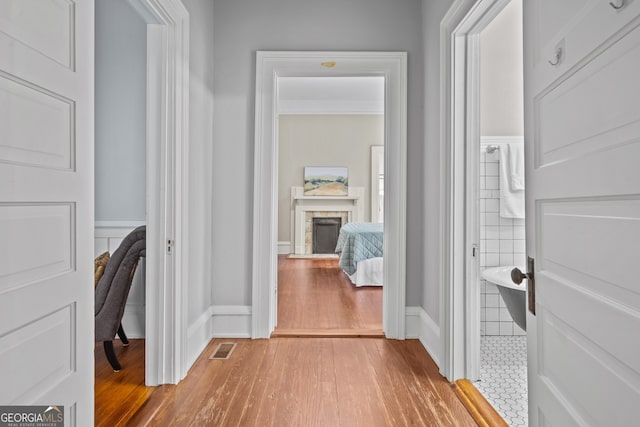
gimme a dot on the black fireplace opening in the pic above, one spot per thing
(325, 235)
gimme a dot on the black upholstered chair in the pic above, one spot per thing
(113, 289)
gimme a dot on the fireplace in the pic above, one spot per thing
(311, 217)
(325, 234)
(305, 208)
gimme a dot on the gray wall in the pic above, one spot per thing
(200, 156)
(243, 26)
(501, 74)
(120, 109)
(433, 12)
(324, 140)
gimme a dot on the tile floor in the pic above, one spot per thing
(503, 376)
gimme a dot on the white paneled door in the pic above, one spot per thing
(46, 205)
(582, 107)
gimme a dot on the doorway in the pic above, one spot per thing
(120, 181)
(269, 67)
(164, 152)
(487, 128)
(503, 347)
(327, 128)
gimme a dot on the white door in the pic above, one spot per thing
(582, 126)
(46, 205)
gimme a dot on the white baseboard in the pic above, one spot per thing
(198, 336)
(234, 321)
(421, 326)
(231, 321)
(218, 321)
(284, 248)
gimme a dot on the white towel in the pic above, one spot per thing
(511, 181)
(516, 166)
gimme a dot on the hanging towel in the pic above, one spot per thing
(511, 181)
(516, 166)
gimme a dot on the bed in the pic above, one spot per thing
(360, 249)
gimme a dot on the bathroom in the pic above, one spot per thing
(503, 345)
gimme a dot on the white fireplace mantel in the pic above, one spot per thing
(352, 204)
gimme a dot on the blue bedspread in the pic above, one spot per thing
(359, 241)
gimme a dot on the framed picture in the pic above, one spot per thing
(326, 181)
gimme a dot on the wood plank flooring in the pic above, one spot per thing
(319, 381)
(308, 382)
(315, 296)
(119, 395)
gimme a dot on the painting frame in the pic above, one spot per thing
(326, 181)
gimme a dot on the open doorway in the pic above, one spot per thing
(142, 97)
(503, 347)
(487, 137)
(120, 139)
(270, 66)
(121, 182)
(330, 144)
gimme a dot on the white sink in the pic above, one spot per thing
(502, 276)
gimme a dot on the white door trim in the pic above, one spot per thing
(270, 66)
(377, 156)
(460, 139)
(167, 188)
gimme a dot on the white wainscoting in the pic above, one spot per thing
(108, 236)
(421, 326)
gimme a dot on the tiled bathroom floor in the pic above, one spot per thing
(503, 376)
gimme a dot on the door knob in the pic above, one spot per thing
(518, 276)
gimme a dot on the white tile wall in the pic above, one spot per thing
(501, 243)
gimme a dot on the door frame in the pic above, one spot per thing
(269, 66)
(460, 150)
(167, 189)
(377, 155)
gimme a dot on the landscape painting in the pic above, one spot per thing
(326, 181)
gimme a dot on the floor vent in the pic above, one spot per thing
(223, 351)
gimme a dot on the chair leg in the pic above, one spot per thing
(123, 337)
(111, 355)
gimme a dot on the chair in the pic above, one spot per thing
(113, 289)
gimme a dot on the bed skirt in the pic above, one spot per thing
(368, 272)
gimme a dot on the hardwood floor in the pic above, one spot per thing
(308, 382)
(316, 298)
(318, 381)
(119, 395)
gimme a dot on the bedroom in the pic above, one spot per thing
(334, 123)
